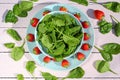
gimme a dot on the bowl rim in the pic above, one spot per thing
(60, 12)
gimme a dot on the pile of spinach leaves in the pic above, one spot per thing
(105, 27)
(107, 53)
(60, 34)
(112, 5)
(31, 66)
(19, 10)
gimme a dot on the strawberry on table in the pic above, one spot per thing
(47, 59)
(34, 22)
(36, 50)
(63, 9)
(99, 14)
(65, 63)
(46, 12)
(86, 36)
(80, 56)
(85, 24)
(30, 37)
(77, 15)
(85, 46)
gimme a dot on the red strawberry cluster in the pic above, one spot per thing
(30, 38)
(65, 63)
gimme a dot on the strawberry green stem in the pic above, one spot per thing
(114, 18)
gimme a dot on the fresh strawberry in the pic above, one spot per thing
(46, 12)
(63, 9)
(65, 63)
(99, 14)
(86, 36)
(30, 37)
(47, 59)
(80, 56)
(77, 15)
(36, 50)
(85, 46)
(85, 24)
(34, 22)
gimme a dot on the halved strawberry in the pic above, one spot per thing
(77, 15)
(30, 37)
(85, 24)
(36, 50)
(99, 14)
(65, 63)
(86, 36)
(80, 56)
(47, 59)
(63, 9)
(34, 22)
(85, 46)
(46, 12)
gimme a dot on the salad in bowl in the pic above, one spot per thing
(59, 35)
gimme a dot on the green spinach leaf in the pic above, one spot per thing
(26, 5)
(48, 76)
(46, 41)
(59, 50)
(18, 52)
(83, 2)
(76, 73)
(112, 48)
(113, 6)
(70, 40)
(117, 29)
(23, 14)
(30, 66)
(9, 45)
(18, 11)
(103, 66)
(105, 27)
(10, 17)
(106, 55)
(117, 26)
(20, 77)
(14, 34)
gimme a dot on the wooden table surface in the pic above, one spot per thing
(10, 68)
